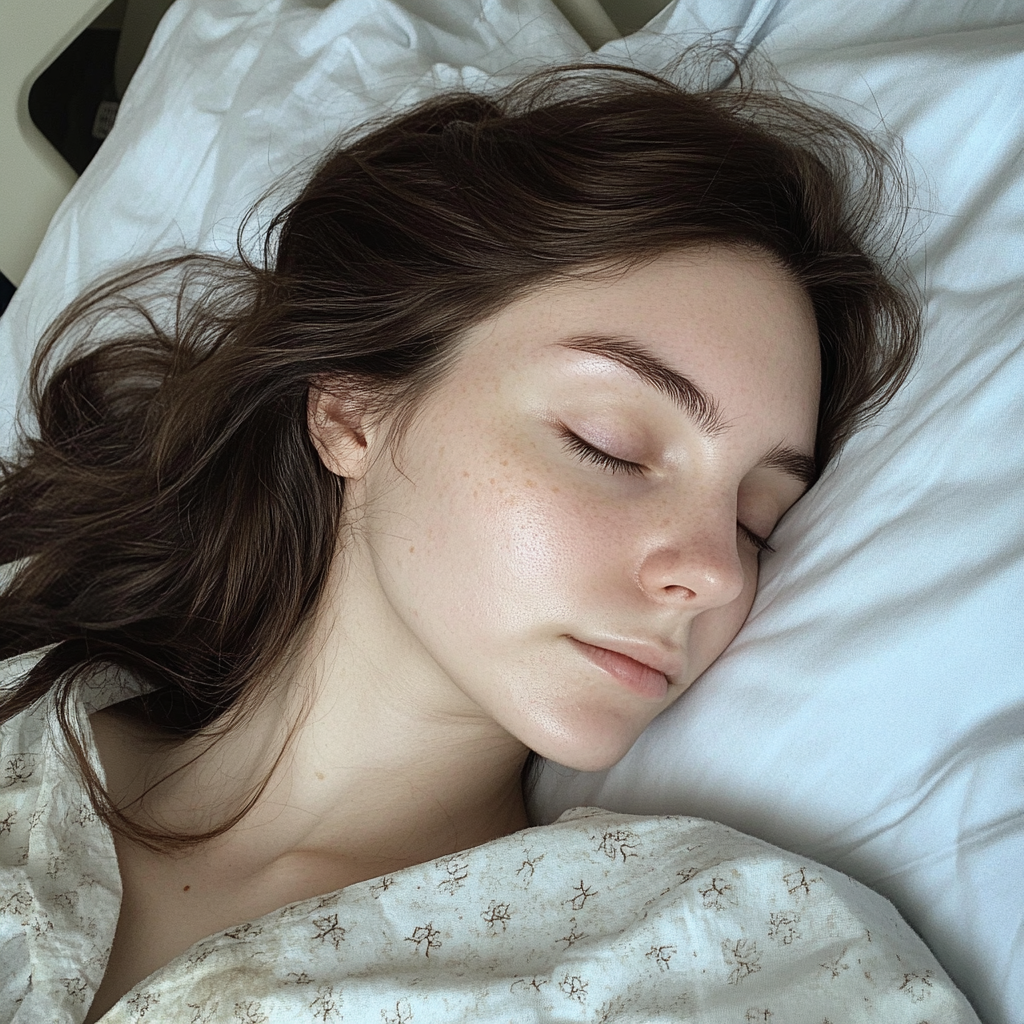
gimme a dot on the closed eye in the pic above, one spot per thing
(588, 453)
(758, 541)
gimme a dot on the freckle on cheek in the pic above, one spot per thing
(492, 479)
(411, 550)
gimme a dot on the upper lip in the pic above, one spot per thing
(667, 660)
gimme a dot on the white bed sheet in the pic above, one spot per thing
(871, 712)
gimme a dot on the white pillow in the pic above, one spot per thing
(871, 712)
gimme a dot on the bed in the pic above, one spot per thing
(870, 714)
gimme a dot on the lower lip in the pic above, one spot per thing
(643, 681)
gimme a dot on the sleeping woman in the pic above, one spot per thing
(311, 557)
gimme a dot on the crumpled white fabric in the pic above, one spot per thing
(597, 917)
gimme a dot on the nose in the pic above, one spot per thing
(693, 557)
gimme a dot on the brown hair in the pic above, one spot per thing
(171, 515)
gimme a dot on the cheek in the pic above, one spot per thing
(523, 544)
(484, 551)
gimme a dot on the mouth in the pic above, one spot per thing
(641, 679)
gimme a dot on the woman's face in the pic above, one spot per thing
(512, 558)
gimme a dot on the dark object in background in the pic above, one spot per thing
(73, 101)
(6, 291)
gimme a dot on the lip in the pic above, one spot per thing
(647, 680)
(649, 654)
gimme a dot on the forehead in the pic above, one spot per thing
(733, 321)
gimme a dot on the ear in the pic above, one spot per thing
(339, 429)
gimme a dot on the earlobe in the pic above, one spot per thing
(336, 428)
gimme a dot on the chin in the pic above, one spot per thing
(589, 764)
(589, 729)
(581, 756)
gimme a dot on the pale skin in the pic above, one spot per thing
(440, 654)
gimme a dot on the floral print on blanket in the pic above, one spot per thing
(598, 917)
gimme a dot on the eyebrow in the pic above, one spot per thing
(692, 399)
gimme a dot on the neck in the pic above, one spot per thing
(372, 775)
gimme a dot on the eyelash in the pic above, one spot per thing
(588, 453)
